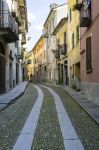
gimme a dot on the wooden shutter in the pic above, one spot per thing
(73, 40)
(88, 55)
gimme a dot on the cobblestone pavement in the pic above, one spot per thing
(13, 118)
(48, 134)
(87, 129)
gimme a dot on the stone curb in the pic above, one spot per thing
(13, 99)
(95, 120)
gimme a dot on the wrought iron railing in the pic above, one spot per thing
(85, 15)
(63, 49)
(7, 21)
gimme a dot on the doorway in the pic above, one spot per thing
(58, 73)
(66, 80)
(2, 69)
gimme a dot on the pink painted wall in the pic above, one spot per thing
(93, 30)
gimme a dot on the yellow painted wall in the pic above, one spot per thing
(39, 54)
(60, 36)
(73, 53)
(30, 66)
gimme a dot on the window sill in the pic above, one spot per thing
(89, 71)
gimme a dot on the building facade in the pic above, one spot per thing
(36, 62)
(73, 45)
(10, 44)
(60, 53)
(57, 12)
(89, 22)
(30, 66)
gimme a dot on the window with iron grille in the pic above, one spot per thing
(88, 55)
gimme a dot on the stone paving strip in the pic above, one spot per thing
(71, 140)
(25, 139)
(85, 126)
(48, 134)
(13, 118)
(6, 99)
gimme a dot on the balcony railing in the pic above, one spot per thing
(8, 26)
(85, 15)
(57, 54)
(85, 18)
(63, 49)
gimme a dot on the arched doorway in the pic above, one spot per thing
(2, 68)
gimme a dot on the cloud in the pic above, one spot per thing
(31, 17)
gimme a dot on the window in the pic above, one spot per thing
(58, 42)
(35, 61)
(77, 34)
(73, 40)
(88, 55)
(73, 71)
(64, 37)
(65, 41)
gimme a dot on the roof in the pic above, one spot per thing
(51, 12)
(36, 44)
(58, 27)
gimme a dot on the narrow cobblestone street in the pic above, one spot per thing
(49, 75)
(13, 118)
(50, 132)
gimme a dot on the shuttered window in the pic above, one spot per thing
(88, 55)
(73, 40)
(65, 48)
(77, 34)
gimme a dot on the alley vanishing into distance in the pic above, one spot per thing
(47, 118)
(49, 75)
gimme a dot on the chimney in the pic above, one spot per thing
(53, 5)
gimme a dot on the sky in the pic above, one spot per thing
(38, 11)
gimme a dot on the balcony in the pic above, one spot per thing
(63, 49)
(23, 15)
(57, 54)
(23, 41)
(8, 27)
(85, 16)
